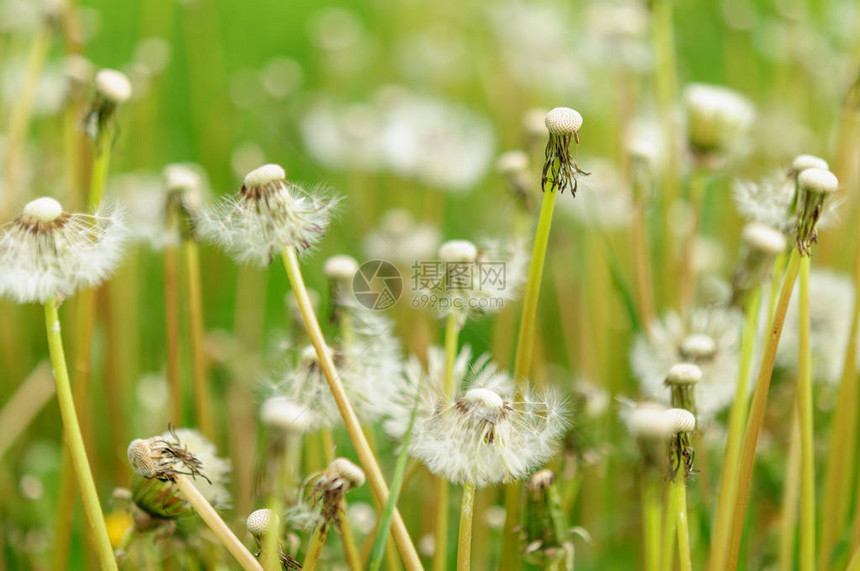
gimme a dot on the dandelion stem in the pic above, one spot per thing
(315, 548)
(350, 420)
(737, 421)
(23, 406)
(669, 530)
(804, 406)
(208, 514)
(101, 164)
(651, 520)
(464, 545)
(790, 498)
(347, 539)
(679, 490)
(198, 359)
(74, 440)
(756, 415)
(171, 307)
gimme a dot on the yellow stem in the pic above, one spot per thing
(350, 420)
(315, 548)
(74, 440)
(464, 544)
(651, 520)
(198, 358)
(171, 310)
(807, 443)
(347, 539)
(208, 514)
(790, 498)
(23, 406)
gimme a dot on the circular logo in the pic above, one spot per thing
(377, 284)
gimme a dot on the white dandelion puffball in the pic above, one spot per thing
(716, 116)
(113, 85)
(711, 343)
(267, 216)
(46, 252)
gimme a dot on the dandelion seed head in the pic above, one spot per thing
(46, 252)
(215, 469)
(512, 162)
(140, 457)
(716, 116)
(647, 420)
(541, 480)
(345, 470)
(680, 420)
(763, 238)
(686, 373)
(260, 522)
(180, 178)
(458, 251)
(280, 414)
(79, 71)
(563, 121)
(340, 268)
(268, 216)
(663, 346)
(818, 180)
(45, 209)
(113, 85)
(807, 161)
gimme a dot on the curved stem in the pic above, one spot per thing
(737, 420)
(756, 415)
(464, 544)
(315, 548)
(74, 440)
(804, 408)
(350, 420)
(208, 514)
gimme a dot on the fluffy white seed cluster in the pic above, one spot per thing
(716, 116)
(481, 435)
(647, 420)
(340, 268)
(267, 216)
(685, 373)
(346, 472)
(818, 180)
(711, 342)
(113, 86)
(458, 251)
(46, 252)
(512, 162)
(763, 238)
(806, 161)
(279, 414)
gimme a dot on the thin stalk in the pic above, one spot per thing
(350, 420)
(807, 443)
(171, 311)
(667, 552)
(347, 539)
(696, 196)
(198, 358)
(843, 435)
(651, 520)
(464, 544)
(523, 363)
(101, 164)
(20, 114)
(24, 405)
(208, 514)
(440, 553)
(679, 490)
(756, 415)
(315, 548)
(75, 441)
(790, 499)
(737, 421)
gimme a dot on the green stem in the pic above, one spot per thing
(804, 405)
(101, 164)
(347, 539)
(198, 358)
(523, 363)
(790, 498)
(679, 490)
(74, 440)
(171, 311)
(756, 415)
(464, 544)
(651, 519)
(737, 421)
(667, 552)
(350, 420)
(440, 554)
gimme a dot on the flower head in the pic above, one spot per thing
(559, 169)
(268, 215)
(716, 117)
(813, 186)
(47, 252)
(480, 435)
(761, 245)
(113, 88)
(710, 342)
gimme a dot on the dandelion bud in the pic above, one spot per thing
(559, 169)
(113, 86)
(805, 161)
(44, 209)
(680, 420)
(541, 480)
(512, 162)
(79, 73)
(716, 117)
(813, 186)
(697, 347)
(347, 471)
(260, 522)
(140, 457)
(279, 413)
(761, 245)
(180, 178)
(340, 268)
(514, 166)
(264, 176)
(458, 251)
